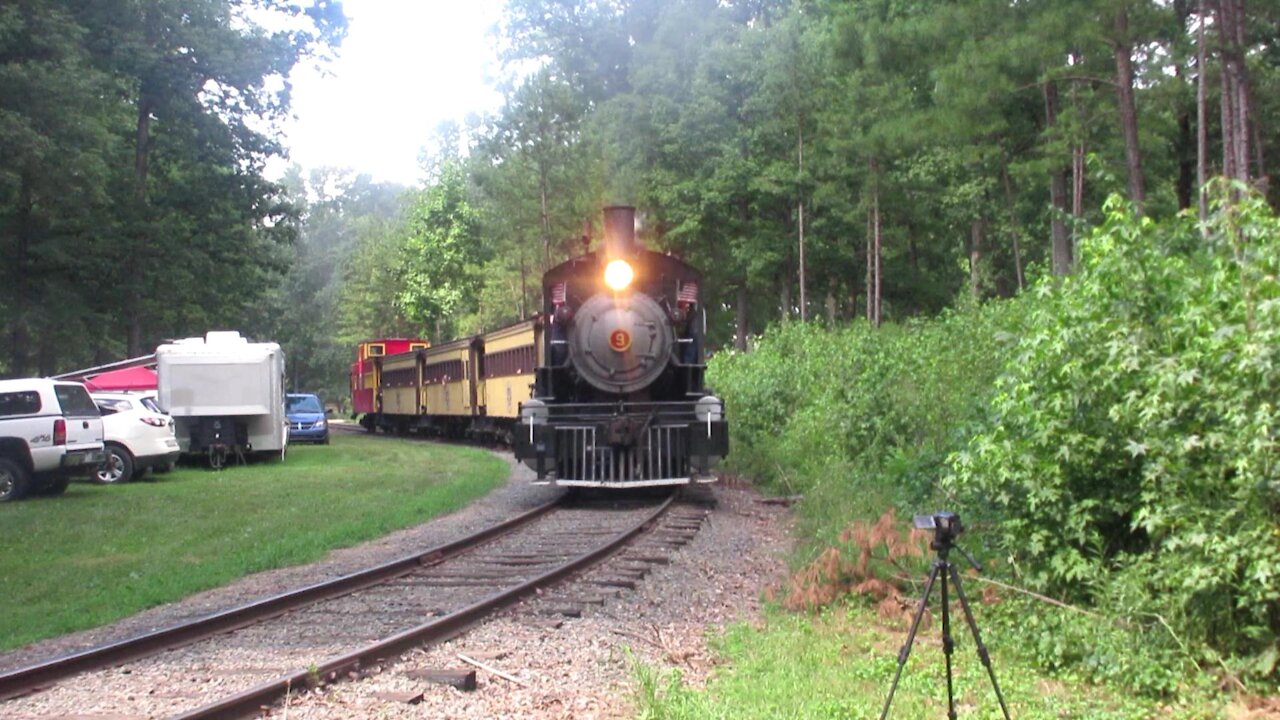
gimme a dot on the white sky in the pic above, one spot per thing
(405, 66)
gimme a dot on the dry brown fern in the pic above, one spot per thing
(865, 561)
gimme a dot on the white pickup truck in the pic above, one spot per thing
(50, 431)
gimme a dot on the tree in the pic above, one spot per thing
(56, 152)
(133, 131)
(438, 264)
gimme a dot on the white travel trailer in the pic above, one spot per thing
(225, 394)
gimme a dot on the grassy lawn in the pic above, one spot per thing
(840, 664)
(99, 553)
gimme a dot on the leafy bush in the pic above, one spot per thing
(1132, 439)
(856, 418)
(1113, 433)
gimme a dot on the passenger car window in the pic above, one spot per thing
(150, 404)
(26, 402)
(75, 401)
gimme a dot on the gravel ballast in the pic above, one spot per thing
(558, 666)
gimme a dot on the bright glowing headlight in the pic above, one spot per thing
(618, 275)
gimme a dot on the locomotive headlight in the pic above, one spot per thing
(533, 412)
(618, 275)
(709, 409)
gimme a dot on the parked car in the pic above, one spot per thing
(306, 416)
(137, 436)
(50, 432)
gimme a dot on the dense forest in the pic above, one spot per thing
(821, 159)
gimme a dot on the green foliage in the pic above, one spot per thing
(1075, 647)
(339, 287)
(859, 408)
(132, 142)
(1131, 440)
(438, 259)
(1112, 433)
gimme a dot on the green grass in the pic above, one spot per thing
(98, 553)
(840, 665)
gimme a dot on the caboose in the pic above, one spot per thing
(366, 374)
(619, 399)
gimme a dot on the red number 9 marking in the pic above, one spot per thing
(620, 340)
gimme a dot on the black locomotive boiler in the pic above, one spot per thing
(619, 399)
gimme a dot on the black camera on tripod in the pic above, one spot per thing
(946, 527)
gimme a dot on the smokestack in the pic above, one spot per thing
(619, 231)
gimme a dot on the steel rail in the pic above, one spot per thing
(449, 626)
(34, 677)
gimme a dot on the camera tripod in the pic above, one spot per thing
(943, 568)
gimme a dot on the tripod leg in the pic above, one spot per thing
(948, 645)
(983, 655)
(911, 637)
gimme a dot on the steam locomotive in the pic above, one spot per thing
(620, 398)
(617, 361)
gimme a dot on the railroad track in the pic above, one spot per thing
(235, 663)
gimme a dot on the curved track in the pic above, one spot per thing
(234, 663)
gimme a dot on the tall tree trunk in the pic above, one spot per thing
(1202, 118)
(1015, 228)
(141, 167)
(976, 230)
(546, 218)
(524, 286)
(20, 314)
(877, 244)
(1062, 249)
(740, 329)
(1123, 48)
(1186, 164)
(1185, 143)
(871, 265)
(785, 290)
(1077, 155)
(141, 150)
(1236, 136)
(804, 295)
(832, 307)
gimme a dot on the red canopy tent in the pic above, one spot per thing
(134, 378)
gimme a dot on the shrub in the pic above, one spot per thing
(859, 418)
(1132, 438)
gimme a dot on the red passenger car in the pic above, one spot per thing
(364, 371)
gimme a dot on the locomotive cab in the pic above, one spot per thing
(620, 400)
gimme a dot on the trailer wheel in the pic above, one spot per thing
(217, 457)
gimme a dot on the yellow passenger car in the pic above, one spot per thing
(510, 355)
(447, 387)
(398, 384)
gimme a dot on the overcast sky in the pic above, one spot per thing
(405, 66)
